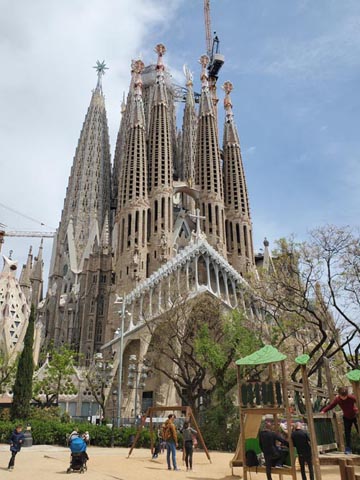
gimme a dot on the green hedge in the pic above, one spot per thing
(56, 433)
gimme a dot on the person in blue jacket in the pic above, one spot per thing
(16, 440)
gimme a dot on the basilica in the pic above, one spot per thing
(169, 216)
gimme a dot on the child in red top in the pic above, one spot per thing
(347, 403)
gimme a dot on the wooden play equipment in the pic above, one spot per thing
(257, 399)
(150, 414)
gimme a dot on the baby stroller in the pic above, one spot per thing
(79, 457)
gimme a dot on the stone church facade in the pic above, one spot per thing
(171, 213)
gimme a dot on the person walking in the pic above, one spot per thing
(188, 434)
(347, 403)
(16, 440)
(273, 455)
(170, 436)
(301, 441)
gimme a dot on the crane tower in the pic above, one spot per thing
(212, 45)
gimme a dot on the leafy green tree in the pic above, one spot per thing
(311, 298)
(8, 368)
(218, 346)
(55, 377)
(22, 392)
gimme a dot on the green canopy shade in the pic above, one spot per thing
(354, 376)
(267, 354)
(302, 359)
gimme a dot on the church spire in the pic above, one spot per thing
(88, 192)
(131, 218)
(208, 167)
(37, 277)
(238, 220)
(160, 160)
(189, 130)
(86, 206)
(24, 280)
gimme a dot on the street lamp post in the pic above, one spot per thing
(134, 372)
(114, 397)
(121, 354)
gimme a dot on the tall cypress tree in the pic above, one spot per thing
(22, 391)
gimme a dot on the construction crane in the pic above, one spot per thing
(13, 233)
(216, 59)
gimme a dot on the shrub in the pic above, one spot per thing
(54, 432)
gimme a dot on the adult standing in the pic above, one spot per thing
(272, 454)
(347, 403)
(16, 440)
(188, 434)
(170, 436)
(301, 441)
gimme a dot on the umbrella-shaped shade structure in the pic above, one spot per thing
(267, 354)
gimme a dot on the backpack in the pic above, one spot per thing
(251, 459)
(166, 432)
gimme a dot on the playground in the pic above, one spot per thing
(50, 463)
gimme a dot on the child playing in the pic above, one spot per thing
(16, 440)
(347, 403)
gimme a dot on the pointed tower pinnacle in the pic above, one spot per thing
(37, 277)
(238, 221)
(25, 275)
(189, 131)
(208, 168)
(132, 214)
(160, 158)
(86, 206)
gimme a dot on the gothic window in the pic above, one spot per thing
(101, 306)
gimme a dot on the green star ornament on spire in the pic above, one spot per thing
(100, 68)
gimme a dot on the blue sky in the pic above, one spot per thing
(295, 66)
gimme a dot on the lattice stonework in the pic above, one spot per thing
(14, 311)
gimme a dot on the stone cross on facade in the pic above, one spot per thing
(198, 218)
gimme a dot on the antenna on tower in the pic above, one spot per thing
(212, 45)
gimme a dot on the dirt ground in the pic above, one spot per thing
(42, 462)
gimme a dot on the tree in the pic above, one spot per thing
(55, 377)
(8, 368)
(312, 297)
(172, 349)
(22, 392)
(99, 376)
(218, 346)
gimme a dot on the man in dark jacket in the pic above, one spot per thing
(301, 442)
(272, 454)
(16, 440)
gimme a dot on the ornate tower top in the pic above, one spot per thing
(160, 49)
(228, 88)
(100, 68)
(188, 76)
(204, 61)
(137, 67)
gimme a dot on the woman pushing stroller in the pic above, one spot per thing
(79, 457)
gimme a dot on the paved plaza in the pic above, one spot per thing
(42, 462)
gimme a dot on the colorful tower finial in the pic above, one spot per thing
(160, 49)
(138, 67)
(100, 68)
(204, 61)
(228, 87)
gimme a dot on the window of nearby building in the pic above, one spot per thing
(147, 400)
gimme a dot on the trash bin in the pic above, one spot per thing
(28, 440)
